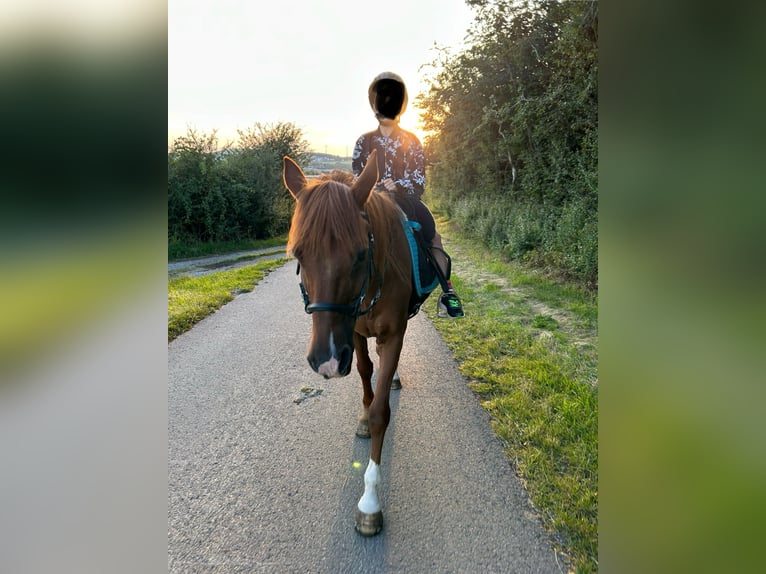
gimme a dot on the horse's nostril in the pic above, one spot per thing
(313, 363)
(346, 354)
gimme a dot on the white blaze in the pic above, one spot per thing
(330, 368)
(369, 502)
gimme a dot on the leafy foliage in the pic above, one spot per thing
(231, 192)
(514, 153)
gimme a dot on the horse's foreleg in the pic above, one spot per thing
(364, 366)
(369, 518)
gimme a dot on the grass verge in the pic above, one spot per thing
(191, 299)
(528, 346)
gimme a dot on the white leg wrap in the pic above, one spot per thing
(369, 503)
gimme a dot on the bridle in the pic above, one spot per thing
(353, 309)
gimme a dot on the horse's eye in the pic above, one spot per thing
(360, 257)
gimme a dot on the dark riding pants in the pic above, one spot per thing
(416, 210)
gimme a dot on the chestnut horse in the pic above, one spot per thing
(355, 271)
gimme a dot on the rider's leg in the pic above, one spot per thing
(441, 258)
(448, 304)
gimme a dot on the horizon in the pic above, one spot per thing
(323, 148)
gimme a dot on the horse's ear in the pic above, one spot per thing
(366, 180)
(292, 174)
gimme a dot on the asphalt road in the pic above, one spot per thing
(258, 482)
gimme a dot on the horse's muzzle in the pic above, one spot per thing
(330, 365)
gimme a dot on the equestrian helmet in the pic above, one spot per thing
(388, 95)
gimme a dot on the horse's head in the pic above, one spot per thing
(332, 241)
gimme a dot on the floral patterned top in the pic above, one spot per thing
(400, 157)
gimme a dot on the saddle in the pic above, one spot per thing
(426, 274)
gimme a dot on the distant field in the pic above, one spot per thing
(322, 162)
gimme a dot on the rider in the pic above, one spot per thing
(401, 165)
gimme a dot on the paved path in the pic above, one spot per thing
(260, 483)
(212, 263)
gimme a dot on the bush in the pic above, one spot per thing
(514, 155)
(573, 243)
(565, 238)
(228, 193)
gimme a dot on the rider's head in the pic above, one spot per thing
(388, 96)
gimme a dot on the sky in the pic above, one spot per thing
(233, 63)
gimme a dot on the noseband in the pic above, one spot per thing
(353, 309)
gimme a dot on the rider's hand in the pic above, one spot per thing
(388, 184)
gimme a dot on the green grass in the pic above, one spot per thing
(528, 346)
(191, 299)
(185, 250)
(571, 297)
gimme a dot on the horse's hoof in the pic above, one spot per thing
(363, 430)
(396, 384)
(368, 524)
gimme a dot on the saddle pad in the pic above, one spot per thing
(423, 275)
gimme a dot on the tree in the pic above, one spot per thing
(257, 163)
(514, 119)
(196, 199)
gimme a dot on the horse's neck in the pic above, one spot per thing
(397, 256)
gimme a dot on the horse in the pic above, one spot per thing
(356, 283)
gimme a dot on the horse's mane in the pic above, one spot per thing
(325, 221)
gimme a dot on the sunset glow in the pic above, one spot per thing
(231, 65)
